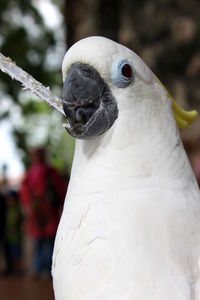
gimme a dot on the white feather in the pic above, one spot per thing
(130, 228)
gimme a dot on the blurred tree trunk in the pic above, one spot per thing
(87, 17)
(165, 34)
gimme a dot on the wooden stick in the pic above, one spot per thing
(9, 67)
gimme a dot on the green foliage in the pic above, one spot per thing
(27, 40)
(28, 108)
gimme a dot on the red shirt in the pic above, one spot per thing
(42, 194)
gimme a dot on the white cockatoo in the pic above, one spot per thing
(130, 228)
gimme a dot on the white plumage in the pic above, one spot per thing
(130, 228)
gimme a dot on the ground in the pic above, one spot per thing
(25, 288)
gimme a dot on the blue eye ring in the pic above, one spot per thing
(122, 73)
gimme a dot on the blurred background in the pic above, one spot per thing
(36, 34)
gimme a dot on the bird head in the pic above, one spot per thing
(104, 80)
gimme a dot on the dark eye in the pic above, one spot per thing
(122, 73)
(127, 71)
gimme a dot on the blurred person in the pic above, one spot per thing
(2, 221)
(13, 233)
(42, 195)
(2, 216)
(3, 192)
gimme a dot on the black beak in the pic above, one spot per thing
(88, 103)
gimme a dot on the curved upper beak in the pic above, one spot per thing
(82, 91)
(84, 102)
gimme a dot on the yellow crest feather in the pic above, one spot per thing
(183, 118)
